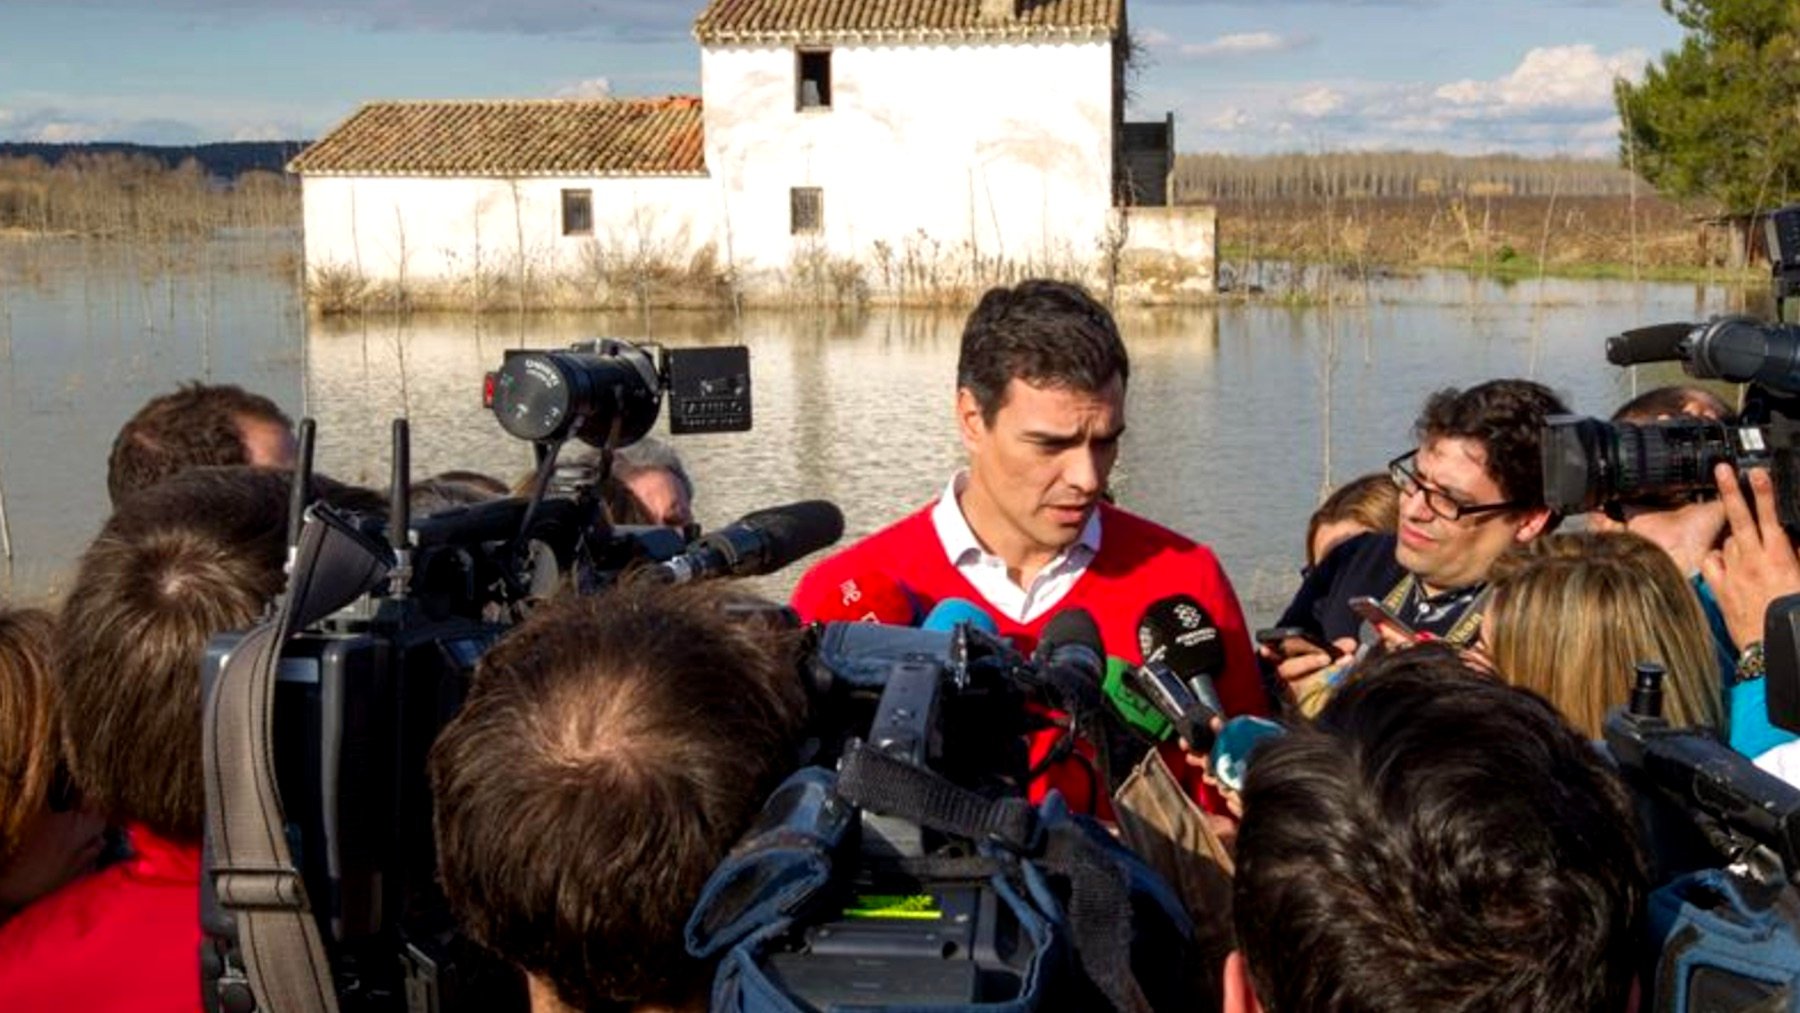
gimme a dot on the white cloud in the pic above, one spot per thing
(1228, 121)
(64, 132)
(1572, 78)
(1155, 37)
(1317, 103)
(593, 87)
(1244, 44)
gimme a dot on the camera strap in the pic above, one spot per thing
(253, 871)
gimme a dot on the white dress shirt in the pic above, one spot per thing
(986, 572)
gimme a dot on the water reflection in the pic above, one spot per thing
(1239, 416)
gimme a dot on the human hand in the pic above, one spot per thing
(1687, 532)
(1756, 565)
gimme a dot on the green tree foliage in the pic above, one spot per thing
(1719, 118)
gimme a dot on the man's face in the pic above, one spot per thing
(662, 496)
(267, 443)
(1448, 554)
(1037, 471)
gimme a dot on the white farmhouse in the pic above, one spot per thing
(841, 149)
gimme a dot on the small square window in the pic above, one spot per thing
(806, 210)
(813, 80)
(578, 212)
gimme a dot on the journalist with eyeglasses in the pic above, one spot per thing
(1470, 490)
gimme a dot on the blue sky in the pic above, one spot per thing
(1527, 76)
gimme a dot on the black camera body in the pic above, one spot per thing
(360, 694)
(1590, 464)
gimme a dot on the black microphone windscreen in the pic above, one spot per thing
(796, 530)
(1073, 627)
(1179, 632)
(1656, 343)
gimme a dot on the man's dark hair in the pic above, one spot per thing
(197, 425)
(1507, 418)
(178, 563)
(1046, 333)
(1437, 841)
(611, 751)
(1674, 401)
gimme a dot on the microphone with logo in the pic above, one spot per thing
(869, 598)
(759, 542)
(1182, 655)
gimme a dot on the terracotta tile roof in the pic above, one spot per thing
(545, 137)
(788, 21)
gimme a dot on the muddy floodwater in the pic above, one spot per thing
(1239, 415)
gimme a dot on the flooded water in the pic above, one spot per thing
(1239, 415)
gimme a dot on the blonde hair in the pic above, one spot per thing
(28, 703)
(1572, 614)
(1372, 501)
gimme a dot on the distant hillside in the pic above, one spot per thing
(225, 160)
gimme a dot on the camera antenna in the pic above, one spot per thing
(399, 510)
(300, 494)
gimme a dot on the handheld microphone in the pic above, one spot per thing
(1138, 714)
(1072, 660)
(950, 613)
(1178, 638)
(760, 542)
(1656, 343)
(1231, 753)
(870, 598)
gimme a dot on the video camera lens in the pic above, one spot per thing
(1589, 463)
(604, 393)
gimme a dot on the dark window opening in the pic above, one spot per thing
(814, 79)
(578, 212)
(806, 210)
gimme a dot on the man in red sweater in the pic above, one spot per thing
(1025, 531)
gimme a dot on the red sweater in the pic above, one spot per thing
(1138, 564)
(124, 938)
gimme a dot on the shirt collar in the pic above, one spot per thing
(959, 539)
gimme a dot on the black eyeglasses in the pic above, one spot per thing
(1437, 500)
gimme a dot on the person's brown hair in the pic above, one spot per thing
(1046, 333)
(1437, 841)
(194, 556)
(610, 752)
(197, 425)
(1372, 501)
(29, 751)
(1571, 615)
(1506, 417)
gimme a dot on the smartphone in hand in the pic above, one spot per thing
(1277, 637)
(1373, 612)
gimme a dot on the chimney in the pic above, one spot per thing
(998, 11)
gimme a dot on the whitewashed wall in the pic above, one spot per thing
(1166, 254)
(992, 150)
(425, 228)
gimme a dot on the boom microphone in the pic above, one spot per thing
(871, 598)
(1656, 343)
(760, 542)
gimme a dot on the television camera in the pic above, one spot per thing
(318, 721)
(1589, 464)
(903, 867)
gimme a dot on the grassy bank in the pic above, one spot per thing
(1646, 238)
